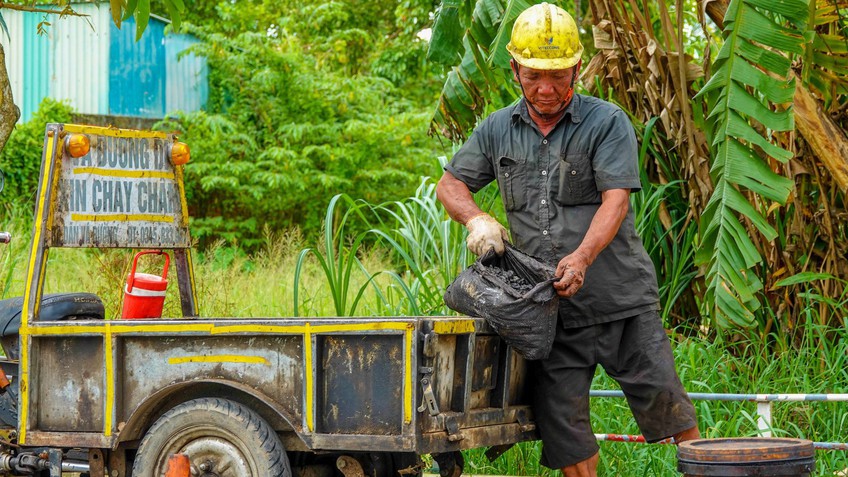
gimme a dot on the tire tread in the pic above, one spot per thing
(270, 447)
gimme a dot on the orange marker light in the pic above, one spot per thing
(180, 153)
(178, 466)
(77, 145)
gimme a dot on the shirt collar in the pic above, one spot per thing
(572, 111)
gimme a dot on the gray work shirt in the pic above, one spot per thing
(551, 189)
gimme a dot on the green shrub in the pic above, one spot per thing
(20, 159)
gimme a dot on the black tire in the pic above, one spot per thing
(225, 437)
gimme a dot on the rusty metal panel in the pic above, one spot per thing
(272, 365)
(360, 384)
(69, 439)
(517, 380)
(68, 379)
(365, 443)
(474, 437)
(444, 367)
(486, 354)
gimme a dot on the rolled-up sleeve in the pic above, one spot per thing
(616, 157)
(473, 164)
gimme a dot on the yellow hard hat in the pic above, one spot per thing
(545, 37)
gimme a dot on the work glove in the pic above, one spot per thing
(484, 233)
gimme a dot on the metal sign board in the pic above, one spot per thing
(125, 192)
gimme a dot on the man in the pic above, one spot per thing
(566, 164)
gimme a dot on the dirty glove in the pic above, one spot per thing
(484, 232)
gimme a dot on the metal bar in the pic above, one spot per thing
(75, 467)
(828, 446)
(831, 446)
(763, 410)
(185, 281)
(741, 397)
(629, 438)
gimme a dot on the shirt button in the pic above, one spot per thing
(544, 202)
(506, 174)
(544, 173)
(544, 232)
(544, 141)
(573, 173)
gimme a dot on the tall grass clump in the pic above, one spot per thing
(708, 366)
(663, 221)
(424, 248)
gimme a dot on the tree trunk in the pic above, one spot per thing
(9, 113)
(824, 136)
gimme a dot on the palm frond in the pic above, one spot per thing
(825, 65)
(746, 96)
(482, 79)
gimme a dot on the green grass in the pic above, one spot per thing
(716, 367)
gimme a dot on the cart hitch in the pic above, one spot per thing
(23, 464)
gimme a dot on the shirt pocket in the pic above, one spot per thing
(512, 180)
(577, 180)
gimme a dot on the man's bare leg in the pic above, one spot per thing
(687, 435)
(585, 468)
(589, 467)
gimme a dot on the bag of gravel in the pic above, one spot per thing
(514, 293)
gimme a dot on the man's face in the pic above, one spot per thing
(545, 89)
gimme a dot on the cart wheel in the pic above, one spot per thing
(221, 438)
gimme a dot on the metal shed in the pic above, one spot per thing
(99, 69)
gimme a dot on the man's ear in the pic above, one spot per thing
(514, 66)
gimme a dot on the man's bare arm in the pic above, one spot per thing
(456, 198)
(605, 224)
(484, 232)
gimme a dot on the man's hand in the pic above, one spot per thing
(571, 271)
(484, 232)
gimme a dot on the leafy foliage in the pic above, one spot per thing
(825, 65)
(748, 85)
(295, 116)
(482, 80)
(20, 160)
(122, 10)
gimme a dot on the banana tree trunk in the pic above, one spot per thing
(825, 137)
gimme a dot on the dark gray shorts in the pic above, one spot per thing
(635, 352)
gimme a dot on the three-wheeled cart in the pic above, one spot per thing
(240, 397)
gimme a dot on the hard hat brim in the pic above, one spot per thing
(547, 63)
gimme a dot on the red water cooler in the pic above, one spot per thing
(144, 295)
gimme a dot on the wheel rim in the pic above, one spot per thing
(212, 453)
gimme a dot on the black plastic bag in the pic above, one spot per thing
(515, 294)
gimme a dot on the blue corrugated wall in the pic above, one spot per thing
(37, 65)
(117, 75)
(137, 71)
(187, 84)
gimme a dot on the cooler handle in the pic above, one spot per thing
(131, 279)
